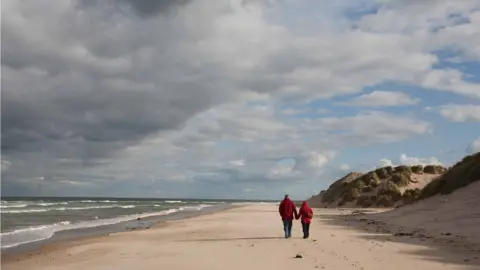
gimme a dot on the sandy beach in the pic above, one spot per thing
(250, 237)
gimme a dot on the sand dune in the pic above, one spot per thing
(383, 187)
(457, 214)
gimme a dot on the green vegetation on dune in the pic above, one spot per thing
(382, 173)
(385, 201)
(390, 186)
(338, 188)
(358, 183)
(418, 169)
(411, 195)
(351, 195)
(365, 201)
(461, 174)
(401, 179)
(403, 169)
(434, 169)
(367, 189)
(390, 189)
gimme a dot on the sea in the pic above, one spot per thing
(27, 221)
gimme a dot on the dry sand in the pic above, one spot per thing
(454, 214)
(250, 237)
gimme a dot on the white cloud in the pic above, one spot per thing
(410, 161)
(239, 162)
(475, 146)
(313, 160)
(406, 160)
(375, 125)
(386, 162)
(249, 190)
(450, 80)
(461, 113)
(380, 98)
(344, 167)
(297, 111)
(5, 165)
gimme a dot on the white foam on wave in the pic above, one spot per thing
(197, 207)
(174, 201)
(13, 206)
(212, 202)
(38, 233)
(31, 234)
(65, 209)
(52, 203)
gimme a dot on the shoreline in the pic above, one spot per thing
(252, 237)
(73, 235)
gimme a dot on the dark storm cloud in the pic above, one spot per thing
(143, 8)
(153, 7)
(87, 102)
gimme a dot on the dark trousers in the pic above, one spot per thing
(287, 227)
(306, 229)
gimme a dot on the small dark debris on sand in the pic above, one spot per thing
(298, 256)
(403, 234)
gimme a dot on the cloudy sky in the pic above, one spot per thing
(231, 98)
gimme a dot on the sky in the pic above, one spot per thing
(245, 99)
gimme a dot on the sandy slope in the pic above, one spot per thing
(457, 213)
(250, 238)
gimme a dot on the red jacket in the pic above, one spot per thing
(287, 209)
(305, 213)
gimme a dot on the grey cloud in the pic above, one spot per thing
(93, 104)
(143, 8)
(153, 7)
(81, 83)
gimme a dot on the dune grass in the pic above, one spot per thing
(460, 175)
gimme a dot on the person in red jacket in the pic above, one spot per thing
(288, 211)
(305, 214)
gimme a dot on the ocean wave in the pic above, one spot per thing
(197, 207)
(52, 203)
(31, 234)
(38, 233)
(65, 209)
(242, 203)
(213, 202)
(13, 206)
(174, 201)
